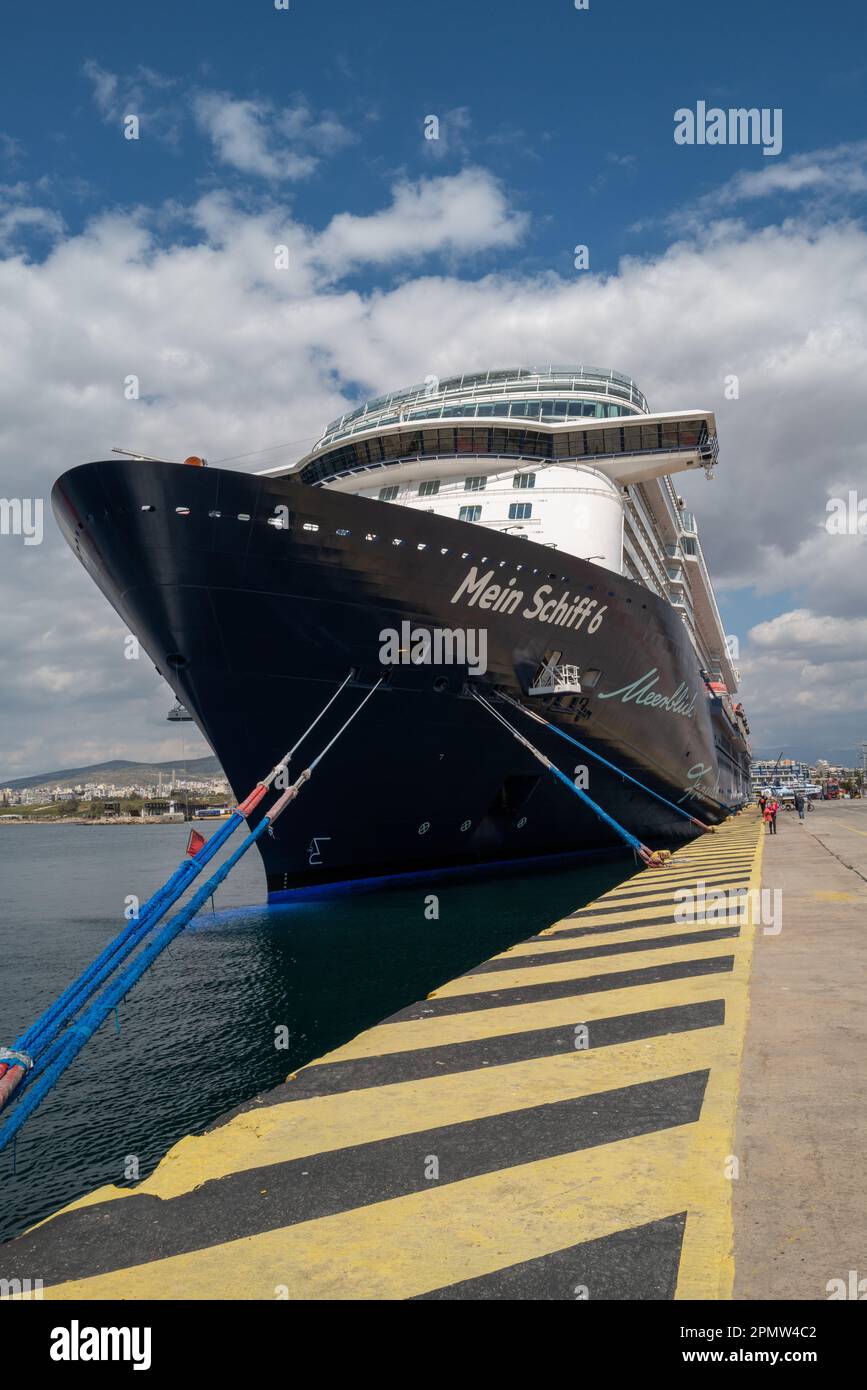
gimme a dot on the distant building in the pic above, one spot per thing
(160, 808)
(786, 775)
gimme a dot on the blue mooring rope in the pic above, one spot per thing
(48, 1025)
(66, 1049)
(546, 723)
(56, 1053)
(597, 810)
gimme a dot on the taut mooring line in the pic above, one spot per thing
(647, 856)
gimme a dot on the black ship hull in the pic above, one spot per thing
(255, 625)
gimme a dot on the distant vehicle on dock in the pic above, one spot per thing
(513, 531)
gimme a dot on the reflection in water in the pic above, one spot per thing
(197, 1035)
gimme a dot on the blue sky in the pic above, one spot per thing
(574, 108)
(556, 128)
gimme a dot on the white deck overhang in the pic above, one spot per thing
(628, 449)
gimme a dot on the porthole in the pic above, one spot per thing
(215, 514)
(424, 827)
(311, 526)
(148, 508)
(243, 516)
(182, 511)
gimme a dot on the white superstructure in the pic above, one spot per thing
(568, 457)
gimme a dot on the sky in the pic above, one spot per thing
(721, 277)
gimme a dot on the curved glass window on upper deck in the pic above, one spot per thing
(507, 441)
(512, 409)
(470, 395)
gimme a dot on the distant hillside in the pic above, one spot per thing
(120, 771)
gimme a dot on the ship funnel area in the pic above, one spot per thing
(583, 513)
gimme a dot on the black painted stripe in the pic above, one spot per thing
(447, 1059)
(639, 1264)
(714, 863)
(560, 989)
(134, 1230)
(662, 898)
(648, 887)
(608, 928)
(609, 948)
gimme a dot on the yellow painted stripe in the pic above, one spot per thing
(657, 911)
(707, 1259)
(521, 1018)
(578, 971)
(618, 937)
(427, 1240)
(653, 912)
(666, 893)
(844, 826)
(322, 1124)
(411, 1245)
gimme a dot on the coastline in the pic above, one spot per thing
(111, 820)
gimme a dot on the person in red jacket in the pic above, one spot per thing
(770, 815)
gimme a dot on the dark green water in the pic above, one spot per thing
(197, 1035)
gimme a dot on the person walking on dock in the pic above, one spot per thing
(770, 815)
(799, 804)
(763, 801)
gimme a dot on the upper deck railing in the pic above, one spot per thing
(434, 393)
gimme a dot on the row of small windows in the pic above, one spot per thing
(526, 410)
(518, 511)
(550, 411)
(473, 484)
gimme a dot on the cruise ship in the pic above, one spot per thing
(515, 533)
